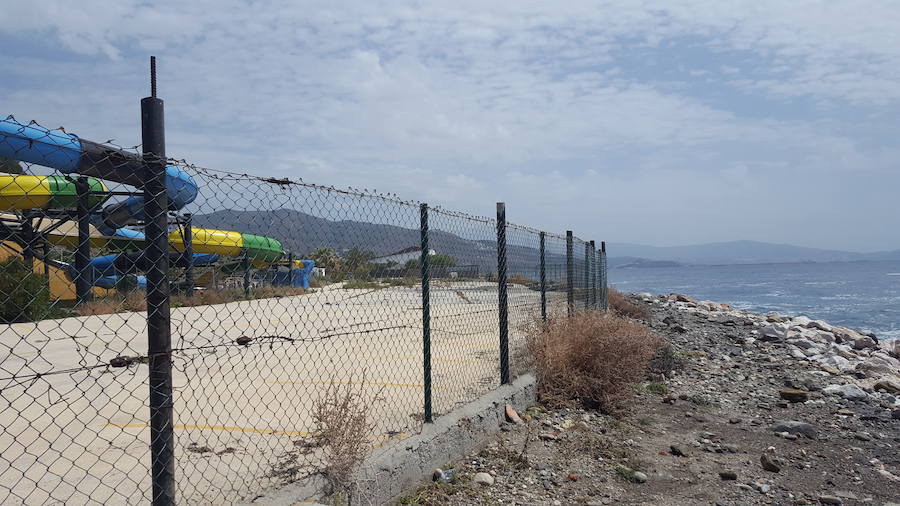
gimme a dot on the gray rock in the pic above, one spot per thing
(639, 477)
(820, 325)
(794, 427)
(773, 332)
(838, 362)
(770, 462)
(483, 479)
(830, 499)
(849, 392)
(728, 475)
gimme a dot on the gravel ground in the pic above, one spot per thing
(745, 419)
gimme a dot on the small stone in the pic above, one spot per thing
(849, 392)
(844, 411)
(770, 462)
(483, 479)
(794, 427)
(862, 436)
(734, 420)
(728, 475)
(573, 476)
(512, 416)
(677, 451)
(548, 436)
(830, 499)
(793, 395)
(640, 477)
(763, 488)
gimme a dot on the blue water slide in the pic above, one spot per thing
(69, 154)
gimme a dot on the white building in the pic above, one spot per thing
(402, 256)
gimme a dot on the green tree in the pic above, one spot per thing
(357, 264)
(10, 166)
(326, 258)
(24, 295)
(433, 261)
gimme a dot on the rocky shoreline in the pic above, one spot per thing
(760, 409)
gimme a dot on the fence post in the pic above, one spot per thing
(587, 275)
(570, 275)
(501, 289)
(426, 310)
(543, 279)
(83, 277)
(188, 238)
(604, 285)
(290, 270)
(27, 233)
(159, 337)
(245, 265)
(592, 276)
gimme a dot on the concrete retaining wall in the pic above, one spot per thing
(404, 465)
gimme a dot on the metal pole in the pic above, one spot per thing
(543, 279)
(188, 239)
(604, 286)
(592, 275)
(291, 270)
(570, 274)
(83, 276)
(426, 310)
(28, 240)
(46, 251)
(156, 203)
(587, 275)
(245, 263)
(501, 289)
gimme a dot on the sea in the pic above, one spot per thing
(859, 295)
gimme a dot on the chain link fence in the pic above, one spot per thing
(169, 332)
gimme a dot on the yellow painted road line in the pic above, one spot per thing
(226, 428)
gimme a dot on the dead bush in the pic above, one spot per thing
(593, 358)
(619, 303)
(343, 430)
(116, 303)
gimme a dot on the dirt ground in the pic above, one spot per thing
(699, 436)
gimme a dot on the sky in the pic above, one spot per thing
(662, 123)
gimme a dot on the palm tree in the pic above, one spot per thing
(326, 258)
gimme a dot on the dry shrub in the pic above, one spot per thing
(593, 358)
(619, 303)
(116, 303)
(343, 430)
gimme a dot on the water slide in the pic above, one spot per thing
(69, 154)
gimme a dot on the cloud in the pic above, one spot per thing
(663, 107)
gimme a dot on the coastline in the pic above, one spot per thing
(754, 409)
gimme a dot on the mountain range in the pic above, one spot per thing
(472, 243)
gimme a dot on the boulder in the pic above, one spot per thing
(837, 362)
(677, 297)
(889, 385)
(483, 479)
(849, 392)
(801, 321)
(891, 347)
(876, 365)
(773, 332)
(820, 325)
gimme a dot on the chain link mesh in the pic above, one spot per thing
(279, 290)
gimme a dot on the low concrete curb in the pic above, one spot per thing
(404, 465)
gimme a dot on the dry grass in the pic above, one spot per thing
(515, 279)
(594, 358)
(137, 300)
(132, 301)
(624, 307)
(342, 431)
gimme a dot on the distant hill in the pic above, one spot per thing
(302, 233)
(744, 252)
